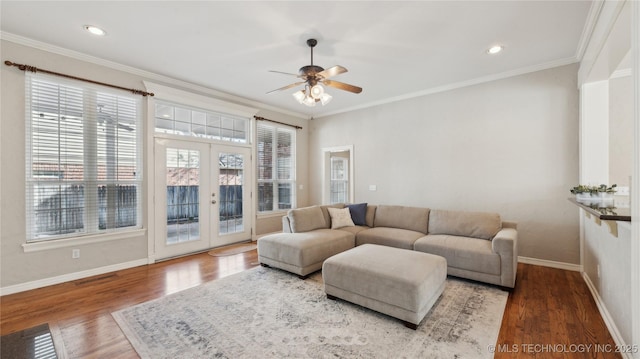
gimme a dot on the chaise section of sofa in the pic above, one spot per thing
(306, 242)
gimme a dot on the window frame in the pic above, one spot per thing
(91, 116)
(275, 160)
(220, 132)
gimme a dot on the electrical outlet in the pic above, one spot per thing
(373, 187)
(598, 269)
(75, 253)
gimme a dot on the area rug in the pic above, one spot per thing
(268, 313)
(232, 250)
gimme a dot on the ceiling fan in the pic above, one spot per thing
(312, 76)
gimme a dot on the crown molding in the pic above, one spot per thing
(39, 45)
(589, 26)
(621, 73)
(603, 24)
(457, 85)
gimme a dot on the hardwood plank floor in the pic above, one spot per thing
(549, 310)
(552, 314)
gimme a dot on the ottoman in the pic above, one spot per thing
(398, 282)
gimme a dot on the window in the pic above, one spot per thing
(83, 153)
(186, 121)
(339, 186)
(276, 168)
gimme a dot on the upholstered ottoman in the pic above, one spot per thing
(398, 282)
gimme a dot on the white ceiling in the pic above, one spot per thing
(392, 49)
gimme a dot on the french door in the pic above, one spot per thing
(202, 196)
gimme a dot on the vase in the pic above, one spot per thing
(605, 196)
(583, 196)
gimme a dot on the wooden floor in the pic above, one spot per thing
(550, 310)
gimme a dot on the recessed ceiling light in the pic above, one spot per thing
(95, 30)
(495, 49)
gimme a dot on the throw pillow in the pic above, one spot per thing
(340, 218)
(358, 213)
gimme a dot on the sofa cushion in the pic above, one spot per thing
(371, 214)
(355, 229)
(358, 213)
(410, 218)
(340, 217)
(461, 252)
(392, 237)
(466, 224)
(306, 219)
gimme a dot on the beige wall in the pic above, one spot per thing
(20, 268)
(508, 146)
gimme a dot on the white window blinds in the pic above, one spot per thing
(83, 152)
(276, 167)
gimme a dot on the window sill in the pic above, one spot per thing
(83, 240)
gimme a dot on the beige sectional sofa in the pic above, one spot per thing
(476, 245)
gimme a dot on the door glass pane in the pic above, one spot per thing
(183, 201)
(231, 183)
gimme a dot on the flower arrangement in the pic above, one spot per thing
(594, 192)
(581, 189)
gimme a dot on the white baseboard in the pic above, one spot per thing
(69, 277)
(552, 264)
(604, 313)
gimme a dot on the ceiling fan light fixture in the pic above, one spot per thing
(325, 99)
(299, 96)
(317, 91)
(309, 101)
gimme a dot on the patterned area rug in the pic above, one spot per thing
(268, 313)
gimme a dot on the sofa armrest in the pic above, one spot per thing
(505, 241)
(286, 225)
(505, 244)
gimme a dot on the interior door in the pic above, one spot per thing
(202, 196)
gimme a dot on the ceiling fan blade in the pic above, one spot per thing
(332, 71)
(342, 86)
(286, 87)
(284, 73)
